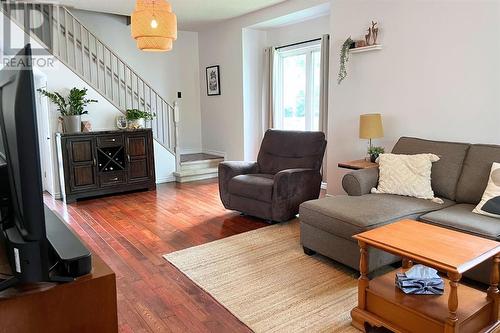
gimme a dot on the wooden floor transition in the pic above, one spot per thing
(131, 233)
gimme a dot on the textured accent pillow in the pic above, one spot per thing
(490, 203)
(408, 175)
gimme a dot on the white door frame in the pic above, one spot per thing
(44, 134)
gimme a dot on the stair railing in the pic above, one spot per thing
(97, 64)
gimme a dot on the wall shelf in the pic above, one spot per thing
(365, 49)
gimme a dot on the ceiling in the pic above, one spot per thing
(191, 14)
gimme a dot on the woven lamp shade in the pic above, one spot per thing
(154, 39)
(370, 126)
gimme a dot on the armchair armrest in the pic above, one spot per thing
(290, 181)
(229, 170)
(293, 187)
(360, 182)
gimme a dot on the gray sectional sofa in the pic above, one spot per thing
(459, 178)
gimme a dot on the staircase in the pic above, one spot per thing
(197, 167)
(65, 37)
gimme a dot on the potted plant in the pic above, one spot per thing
(374, 152)
(137, 118)
(71, 108)
(344, 58)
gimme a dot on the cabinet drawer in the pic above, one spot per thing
(112, 178)
(110, 140)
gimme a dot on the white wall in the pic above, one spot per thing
(167, 72)
(437, 77)
(222, 117)
(299, 32)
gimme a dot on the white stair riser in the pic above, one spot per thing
(200, 165)
(187, 179)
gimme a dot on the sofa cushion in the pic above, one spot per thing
(476, 172)
(254, 186)
(281, 150)
(445, 172)
(461, 217)
(345, 216)
(490, 202)
(408, 175)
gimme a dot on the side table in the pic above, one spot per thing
(460, 309)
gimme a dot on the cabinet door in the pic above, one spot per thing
(138, 152)
(82, 164)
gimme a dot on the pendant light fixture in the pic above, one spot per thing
(154, 26)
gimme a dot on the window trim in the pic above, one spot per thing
(308, 50)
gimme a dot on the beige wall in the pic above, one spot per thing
(438, 76)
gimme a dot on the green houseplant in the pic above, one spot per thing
(344, 58)
(137, 118)
(374, 152)
(71, 108)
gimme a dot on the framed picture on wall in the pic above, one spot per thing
(213, 81)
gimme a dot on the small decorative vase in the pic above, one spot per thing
(72, 124)
(137, 123)
(373, 158)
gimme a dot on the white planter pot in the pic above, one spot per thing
(72, 124)
(137, 123)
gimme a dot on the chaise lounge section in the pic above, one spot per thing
(459, 178)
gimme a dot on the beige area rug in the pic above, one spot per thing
(264, 279)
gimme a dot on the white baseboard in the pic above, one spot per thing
(167, 179)
(164, 180)
(215, 152)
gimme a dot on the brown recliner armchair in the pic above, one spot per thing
(287, 173)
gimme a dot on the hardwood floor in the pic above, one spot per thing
(131, 232)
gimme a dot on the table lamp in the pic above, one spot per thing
(370, 127)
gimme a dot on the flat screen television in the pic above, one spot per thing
(23, 227)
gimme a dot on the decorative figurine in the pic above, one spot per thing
(368, 36)
(374, 32)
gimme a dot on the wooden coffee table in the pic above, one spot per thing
(460, 309)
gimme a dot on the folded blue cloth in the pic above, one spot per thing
(420, 280)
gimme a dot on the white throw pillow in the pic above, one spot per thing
(408, 175)
(490, 203)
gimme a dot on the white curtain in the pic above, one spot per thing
(268, 89)
(324, 77)
(323, 91)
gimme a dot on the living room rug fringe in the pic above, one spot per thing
(264, 279)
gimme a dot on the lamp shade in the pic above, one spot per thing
(370, 126)
(158, 35)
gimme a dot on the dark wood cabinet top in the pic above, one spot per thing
(104, 132)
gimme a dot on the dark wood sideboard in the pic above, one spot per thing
(105, 162)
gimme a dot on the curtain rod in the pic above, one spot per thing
(299, 43)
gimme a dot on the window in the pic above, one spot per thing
(297, 87)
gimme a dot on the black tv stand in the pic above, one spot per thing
(72, 257)
(9, 282)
